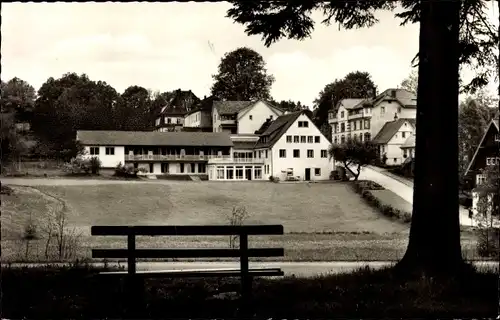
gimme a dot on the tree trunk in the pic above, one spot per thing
(434, 243)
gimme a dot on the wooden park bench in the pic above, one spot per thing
(131, 253)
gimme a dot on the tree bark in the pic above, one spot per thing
(434, 242)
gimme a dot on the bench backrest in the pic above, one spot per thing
(131, 253)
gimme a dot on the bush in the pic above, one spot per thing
(126, 171)
(488, 242)
(95, 165)
(6, 190)
(274, 179)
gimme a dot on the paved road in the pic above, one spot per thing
(299, 269)
(402, 187)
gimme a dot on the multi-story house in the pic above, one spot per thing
(184, 153)
(363, 118)
(171, 117)
(242, 117)
(486, 155)
(292, 147)
(392, 138)
(200, 117)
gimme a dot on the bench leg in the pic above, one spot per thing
(246, 294)
(135, 296)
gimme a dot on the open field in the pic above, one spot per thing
(322, 221)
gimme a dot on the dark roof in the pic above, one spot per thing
(231, 107)
(243, 145)
(277, 128)
(180, 103)
(404, 97)
(204, 105)
(150, 138)
(350, 103)
(264, 126)
(389, 130)
(494, 123)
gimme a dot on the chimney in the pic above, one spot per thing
(395, 116)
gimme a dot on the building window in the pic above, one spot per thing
(302, 139)
(250, 117)
(296, 153)
(341, 114)
(164, 167)
(110, 151)
(310, 139)
(324, 153)
(310, 153)
(282, 153)
(239, 173)
(201, 168)
(169, 120)
(354, 125)
(316, 139)
(266, 154)
(342, 139)
(395, 160)
(182, 167)
(317, 171)
(492, 161)
(289, 139)
(335, 140)
(230, 173)
(403, 134)
(220, 173)
(367, 136)
(367, 124)
(94, 151)
(303, 124)
(342, 127)
(296, 139)
(257, 172)
(382, 110)
(480, 179)
(193, 167)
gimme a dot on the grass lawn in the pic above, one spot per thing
(387, 196)
(322, 221)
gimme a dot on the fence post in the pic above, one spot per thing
(246, 280)
(134, 283)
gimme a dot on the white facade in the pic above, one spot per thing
(110, 156)
(193, 119)
(392, 149)
(310, 162)
(385, 112)
(252, 118)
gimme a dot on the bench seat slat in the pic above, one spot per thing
(198, 273)
(210, 230)
(187, 253)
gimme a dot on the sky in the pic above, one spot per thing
(167, 46)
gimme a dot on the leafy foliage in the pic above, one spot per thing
(355, 84)
(127, 171)
(276, 20)
(13, 145)
(411, 83)
(242, 76)
(17, 97)
(290, 105)
(134, 110)
(354, 152)
(79, 165)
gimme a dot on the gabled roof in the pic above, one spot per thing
(494, 123)
(151, 138)
(404, 97)
(231, 107)
(390, 129)
(277, 129)
(410, 142)
(267, 103)
(349, 103)
(180, 103)
(204, 105)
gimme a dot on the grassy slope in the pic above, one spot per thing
(299, 207)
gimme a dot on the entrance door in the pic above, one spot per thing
(249, 174)
(150, 168)
(308, 174)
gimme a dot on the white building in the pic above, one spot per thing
(363, 118)
(293, 147)
(242, 117)
(392, 138)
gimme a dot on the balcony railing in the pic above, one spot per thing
(160, 157)
(236, 160)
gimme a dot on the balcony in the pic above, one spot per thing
(228, 122)
(230, 160)
(161, 157)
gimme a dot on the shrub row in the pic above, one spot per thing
(127, 171)
(364, 188)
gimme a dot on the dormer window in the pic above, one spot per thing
(341, 114)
